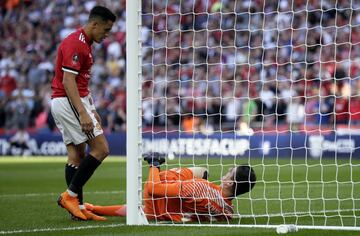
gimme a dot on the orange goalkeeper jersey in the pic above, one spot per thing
(176, 194)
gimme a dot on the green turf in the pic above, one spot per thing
(29, 188)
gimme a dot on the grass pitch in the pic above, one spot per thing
(29, 188)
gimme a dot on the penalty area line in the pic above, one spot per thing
(60, 229)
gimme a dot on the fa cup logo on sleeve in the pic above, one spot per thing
(75, 59)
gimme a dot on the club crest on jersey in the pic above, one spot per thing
(75, 59)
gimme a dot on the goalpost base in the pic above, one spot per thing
(142, 217)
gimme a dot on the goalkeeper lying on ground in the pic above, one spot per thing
(185, 194)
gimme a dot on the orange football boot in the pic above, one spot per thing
(71, 204)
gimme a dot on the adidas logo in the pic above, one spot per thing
(82, 38)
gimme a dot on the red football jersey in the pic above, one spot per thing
(74, 56)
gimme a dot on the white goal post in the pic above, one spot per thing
(273, 84)
(133, 116)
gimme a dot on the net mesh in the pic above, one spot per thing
(272, 84)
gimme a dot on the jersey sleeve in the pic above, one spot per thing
(72, 57)
(157, 188)
(177, 174)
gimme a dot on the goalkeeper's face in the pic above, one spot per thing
(228, 178)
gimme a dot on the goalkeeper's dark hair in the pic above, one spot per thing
(244, 180)
(103, 13)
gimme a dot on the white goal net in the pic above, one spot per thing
(271, 84)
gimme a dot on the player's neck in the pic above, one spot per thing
(87, 31)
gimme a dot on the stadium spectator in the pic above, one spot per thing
(118, 120)
(249, 112)
(341, 105)
(18, 111)
(7, 83)
(267, 97)
(3, 102)
(232, 109)
(354, 106)
(295, 113)
(19, 143)
(190, 124)
(355, 110)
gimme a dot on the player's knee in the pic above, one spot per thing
(106, 151)
(73, 159)
(101, 152)
(99, 147)
(75, 162)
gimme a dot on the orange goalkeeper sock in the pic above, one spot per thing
(115, 210)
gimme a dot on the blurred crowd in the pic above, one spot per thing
(243, 65)
(207, 65)
(30, 33)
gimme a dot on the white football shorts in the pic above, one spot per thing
(67, 120)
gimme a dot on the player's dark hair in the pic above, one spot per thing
(103, 13)
(244, 179)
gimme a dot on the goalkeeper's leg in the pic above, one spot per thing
(114, 210)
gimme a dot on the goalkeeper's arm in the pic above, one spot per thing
(158, 189)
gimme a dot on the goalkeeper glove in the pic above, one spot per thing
(154, 159)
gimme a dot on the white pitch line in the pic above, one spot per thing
(118, 225)
(60, 229)
(54, 194)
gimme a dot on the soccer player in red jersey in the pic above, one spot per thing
(185, 194)
(74, 112)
